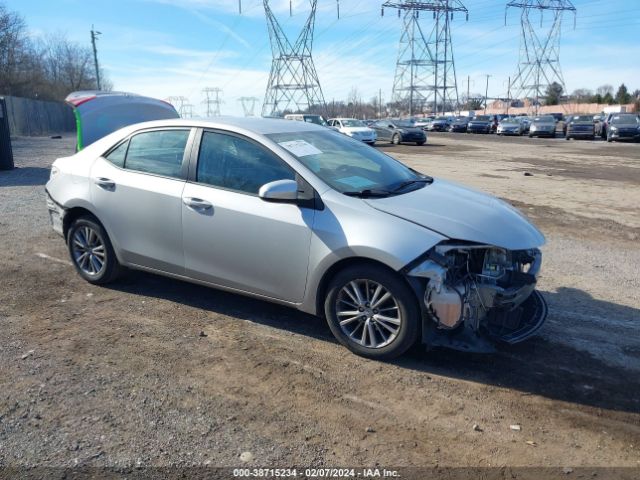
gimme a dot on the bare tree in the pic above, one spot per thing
(49, 68)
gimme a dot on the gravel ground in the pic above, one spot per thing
(122, 376)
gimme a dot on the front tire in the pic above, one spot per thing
(396, 140)
(371, 311)
(91, 251)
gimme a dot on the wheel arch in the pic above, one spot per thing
(72, 214)
(344, 263)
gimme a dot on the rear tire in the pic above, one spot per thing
(91, 251)
(396, 140)
(387, 306)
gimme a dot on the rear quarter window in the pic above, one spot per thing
(157, 152)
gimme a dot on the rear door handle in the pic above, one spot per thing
(105, 183)
(197, 203)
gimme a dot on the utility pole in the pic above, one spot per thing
(486, 95)
(380, 103)
(468, 91)
(94, 37)
(509, 95)
(425, 67)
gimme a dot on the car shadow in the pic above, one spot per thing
(537, 367)
(24, 177)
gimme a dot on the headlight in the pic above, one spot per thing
(54, 171)
(614, 129)
(533, 127)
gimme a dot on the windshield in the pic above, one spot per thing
(317, 119)
(483, 118)
(545, 119)
(625, 119)
(510, 120)
(403, 123)
(345, 164)
(350, 122)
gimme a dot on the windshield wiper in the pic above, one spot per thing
(368, 193)
(408, 183)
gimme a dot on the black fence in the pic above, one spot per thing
(27, 117)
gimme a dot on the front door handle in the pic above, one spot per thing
(105, 183)
(197, 203)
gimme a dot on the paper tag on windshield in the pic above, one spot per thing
(300, 148)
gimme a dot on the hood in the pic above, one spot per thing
(625, 125)
(543, 124)
(357, 129)
(463, 214)
(480, 122)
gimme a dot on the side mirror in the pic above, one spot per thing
(280, 191)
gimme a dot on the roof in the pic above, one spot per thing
(262, 126)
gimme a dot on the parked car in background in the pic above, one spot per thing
(422, 122)
(544, 126)
(355, 129)
(580, 126)
(559, 117)
(526, 123)
(399, 131)
(603, 128)
(623, 126)
(438, 124)
(510, 126)
(308, 118)
(296, 214)
(459, 125)
(480, 124)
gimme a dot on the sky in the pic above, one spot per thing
(164, 48)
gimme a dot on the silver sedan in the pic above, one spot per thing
(301, 215)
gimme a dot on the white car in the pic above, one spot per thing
(355, 129)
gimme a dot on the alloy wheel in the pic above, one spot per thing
(368, 313)
(88, 250)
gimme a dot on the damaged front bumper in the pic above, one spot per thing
(56, 214)
(475, 296)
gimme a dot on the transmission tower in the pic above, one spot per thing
(187, 110)
(539, 65)
(212, 101)
(293, 81)
(249, 105)
(425, 70)
(179, 103)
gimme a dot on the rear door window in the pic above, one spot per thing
(157, 152)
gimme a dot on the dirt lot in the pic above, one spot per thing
(122, 376)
